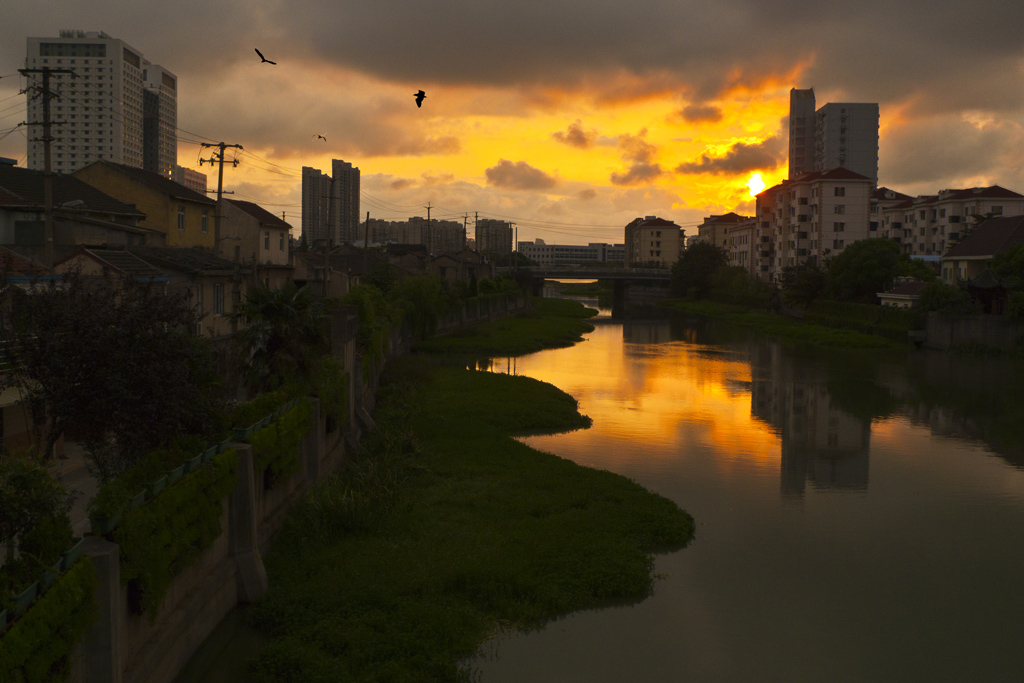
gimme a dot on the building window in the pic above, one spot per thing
(266, 240)
(218, 299)
(280, 244)
(838, 227)
(997, 211)
(181, 216)
(840, 208)
(206, 220)
(840, 191)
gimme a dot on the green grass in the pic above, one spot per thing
(782, 327)
(446, 530)
(550, 323)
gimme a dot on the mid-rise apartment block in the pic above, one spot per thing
(928, 225)
(807, 219)
(715, 229)
(571, 254)
(193, 180)
(494, 236)
(330, 204)
(653, 241)
(740, 238)
(438, 236)
(116, 107)
(838, 135)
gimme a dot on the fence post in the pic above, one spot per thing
(101, 646)
(252, 575)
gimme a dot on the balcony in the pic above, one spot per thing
(803, 218)
(764, 254)
(802, 252)
(802, 235)
(765, 239)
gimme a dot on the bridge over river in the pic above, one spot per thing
(631, 286)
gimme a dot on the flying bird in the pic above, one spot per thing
(321, 137)
(419, 98)
(263, 58)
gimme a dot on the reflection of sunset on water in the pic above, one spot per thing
(639, 392)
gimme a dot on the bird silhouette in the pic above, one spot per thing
(321, 137)
(419, 98)
(263, 58)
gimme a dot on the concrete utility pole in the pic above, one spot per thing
(366, 241)
(430, 236)
(47, 94)
(218, 157)
(465, 220)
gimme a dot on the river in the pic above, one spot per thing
(859, 516)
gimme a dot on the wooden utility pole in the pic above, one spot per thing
(47, 94)
(218, 157)
(465, 220)
(366, 242)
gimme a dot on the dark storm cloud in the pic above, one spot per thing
(518, 176)
(640, 153)
(576, 136)
(741, 158)
(695, 113)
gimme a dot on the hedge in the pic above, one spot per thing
(165, 535)
(276, 447)
(37, 647)
(884, 321)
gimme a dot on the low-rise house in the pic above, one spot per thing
(82, 215)
(257, 240)
(903, 294)
(715, 229)
(969, 262)
(185, 217)
(213, 283)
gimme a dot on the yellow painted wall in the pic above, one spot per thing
(161, 210)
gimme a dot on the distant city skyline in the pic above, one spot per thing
(569, 136)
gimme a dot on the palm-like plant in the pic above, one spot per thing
(283, 334)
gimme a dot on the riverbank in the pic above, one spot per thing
(444, 530)
(549, 323)
(784, 328)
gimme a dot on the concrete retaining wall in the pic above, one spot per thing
(977, 331)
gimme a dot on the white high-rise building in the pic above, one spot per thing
(838, 135)
(101, 112)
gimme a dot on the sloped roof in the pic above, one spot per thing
(657, 223)
(833, 174)
(731, 217)
(906, 289)
(119, 260)
(261, 214)
(159, 183)
(990, 192)
(880, 195)
(187, 259)
(24, 187)
(13, 263)
(990, 238)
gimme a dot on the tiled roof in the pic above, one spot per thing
(657, 223)
(187, 259)
(880, 195)
(990, 238)
(834, 174)
(907, 288)
(159, 183)
(261, 214)
(13, 263)
(121, 261)
(990, 192)
(24, 187)
(730, 217)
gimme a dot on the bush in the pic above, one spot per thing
(276, 447)
(37, 647)
(942, 298)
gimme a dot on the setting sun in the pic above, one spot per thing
(755, 184)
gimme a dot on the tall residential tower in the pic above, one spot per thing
(330, 204)
(117, 107)
(839, 135)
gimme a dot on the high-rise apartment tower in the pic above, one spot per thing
(839, 135)
(117, 107)
(330, 204)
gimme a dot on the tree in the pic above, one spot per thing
(285, 332)
(30, 495)
(916, 268)
(693, 272)
(863, 269)
(942, 298)
(803, 284)
(1008, 267)
(115, 361)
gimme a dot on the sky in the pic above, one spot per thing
(568, 118)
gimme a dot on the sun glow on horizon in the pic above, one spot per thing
(756, 184)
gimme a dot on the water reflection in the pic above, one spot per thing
(856, 511)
